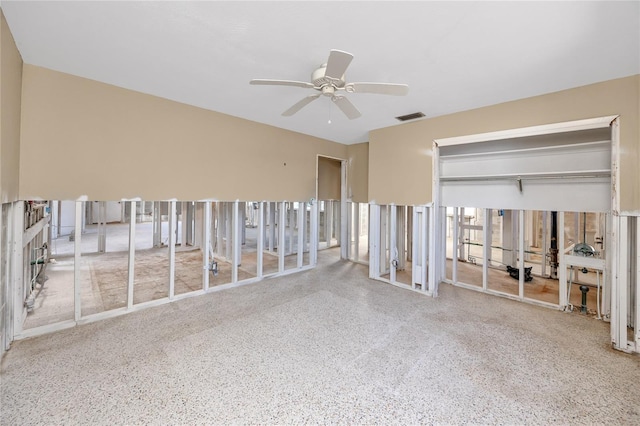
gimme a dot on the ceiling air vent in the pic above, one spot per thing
(410, 116)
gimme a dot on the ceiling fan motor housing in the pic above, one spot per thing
(321, 81)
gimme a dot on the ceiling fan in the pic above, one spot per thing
(329, 81)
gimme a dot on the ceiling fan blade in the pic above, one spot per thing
(337, 64)
(300, 104)
(267, 82)
(346, 107)
(379, 88)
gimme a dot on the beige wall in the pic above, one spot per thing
(10, 98)
(400, 160)
(358, 172)
(329, 178)
(81, 137)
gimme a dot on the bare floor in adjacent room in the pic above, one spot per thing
(104, 276)
(325, 346)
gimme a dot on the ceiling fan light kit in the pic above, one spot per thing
(329, 80)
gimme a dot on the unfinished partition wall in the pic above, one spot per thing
(6, 267)
(548, 189)
(358, 232)
(151, 267)
(190, 258)
(625, 300)
(331, 193)
(330, 223)
(399, 245)
(117, 257)
(104, 256)
(270, 214)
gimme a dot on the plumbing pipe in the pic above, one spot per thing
(584, 289)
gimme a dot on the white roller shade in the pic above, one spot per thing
(568, 171)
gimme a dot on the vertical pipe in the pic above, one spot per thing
(172, 248)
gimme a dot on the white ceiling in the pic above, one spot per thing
(454, 56)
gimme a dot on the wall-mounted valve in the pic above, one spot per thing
(213, 267)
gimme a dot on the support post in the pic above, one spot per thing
(172, 248)
(328, 222)
(272, 226)
(343, 235)
(206, 243)
(374, 241)
(394, 253)
(281, 235)
(521, 253)
(455, 244)
(235, 242)
(301, 231)
(260, 242)
(384, 240)
(183, 222)
(433, 257)
(219, 229)
(621, 282)
(562, 264)
(424, 243)
(102, 226)
(636, 324)
(417, 265)
(132, 254)
(157, 224)
(77, 266)
(356, 231)
(19, 310)
(486, 246)
(313, 234)
(544, 244)
(292, 225)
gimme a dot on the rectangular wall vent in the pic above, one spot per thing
(410, 116)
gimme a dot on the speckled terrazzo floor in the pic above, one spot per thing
(325, 346)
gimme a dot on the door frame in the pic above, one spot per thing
(344, 254)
